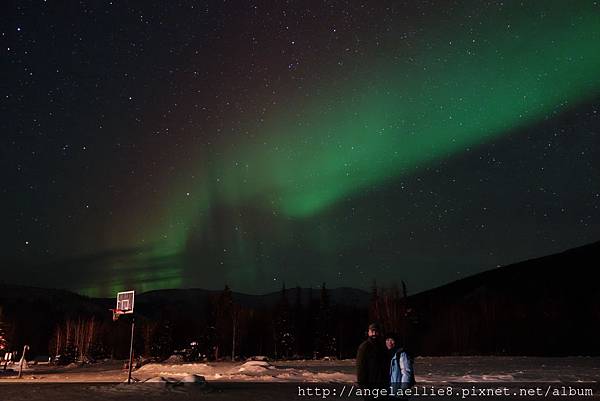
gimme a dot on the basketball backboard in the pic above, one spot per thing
(125, 301)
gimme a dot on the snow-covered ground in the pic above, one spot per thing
(428, 370)
(256, 371)
(278, 380)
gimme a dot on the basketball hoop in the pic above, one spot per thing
(125, 301)
(116, 313)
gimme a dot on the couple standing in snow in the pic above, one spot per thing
(383, 365)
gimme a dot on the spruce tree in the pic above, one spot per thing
(4, 343)
(326, 341)
(284, 338)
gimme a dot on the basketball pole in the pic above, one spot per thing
(131, 349)
(125, 301)
(25, 349)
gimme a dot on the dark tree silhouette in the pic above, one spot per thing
(326, 341)
(4, 340)
(283, 330)
(162, 339)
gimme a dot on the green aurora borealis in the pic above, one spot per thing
(407, 104)
(395, 118)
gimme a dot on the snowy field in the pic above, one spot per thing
(293, 380)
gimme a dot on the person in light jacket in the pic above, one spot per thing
(402, 374)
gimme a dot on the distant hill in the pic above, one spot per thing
(149, 303)
(544, 306)
(549, 305)
(59, 301)
(574, 266)
(196, 297)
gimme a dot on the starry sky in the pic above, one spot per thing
(174, 144)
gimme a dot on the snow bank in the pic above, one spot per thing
(174, 359)
(178, 369)
(187, 379)
(255, 367)
(258, 371)
(160, 380)
(258, 358)
(196, 379)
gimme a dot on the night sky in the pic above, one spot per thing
(170, 144)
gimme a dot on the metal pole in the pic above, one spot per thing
(233, 341)
(131, 350)
(25, 348)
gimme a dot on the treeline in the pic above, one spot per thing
(501, 312)
(299, 324)
(296, 328)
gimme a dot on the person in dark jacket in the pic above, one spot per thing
(372, 363)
